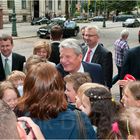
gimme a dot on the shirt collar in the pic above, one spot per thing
(9, 57)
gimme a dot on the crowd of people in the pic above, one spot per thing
(63, 90)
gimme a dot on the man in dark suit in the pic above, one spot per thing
(131, 63)
(98, 53)
(71, 61)
(9, 61)
(56, 35)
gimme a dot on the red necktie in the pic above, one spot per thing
(88, 55)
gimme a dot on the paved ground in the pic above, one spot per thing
(27, 36)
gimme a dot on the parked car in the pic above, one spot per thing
(131, 22)
(44, 32)
(123, 17)
(98, 18)
(79, 18)
(39, 21)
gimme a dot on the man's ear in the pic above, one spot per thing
(131, 137)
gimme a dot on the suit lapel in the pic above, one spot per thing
(96, 55)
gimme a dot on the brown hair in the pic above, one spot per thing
(42, 44)
(7, 85)
(56, 32)
(77, 79)
(32, 60)
(134, 88)
(6, 37)
(44, 94)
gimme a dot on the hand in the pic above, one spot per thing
(36, 130)
(123, 83)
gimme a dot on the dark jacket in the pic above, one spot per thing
(94, 70)
(64, 126)
(17, 64)
(54, 57)
(131, 63)
(103, 57)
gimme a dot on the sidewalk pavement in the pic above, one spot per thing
(25, 30)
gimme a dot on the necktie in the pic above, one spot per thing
(88, 55)
(7, 69)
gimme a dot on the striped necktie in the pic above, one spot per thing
(7, 69)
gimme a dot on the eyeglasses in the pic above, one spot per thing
(88, 35)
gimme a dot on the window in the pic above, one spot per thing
(24, 18)
(50, 4)
(59, 4)
(23, 4)
(10, 4)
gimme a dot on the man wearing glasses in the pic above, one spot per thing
(95, 52)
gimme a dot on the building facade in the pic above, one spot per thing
(28, 9)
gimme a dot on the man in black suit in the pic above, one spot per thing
(131, 64)
(71, 61)
(56, 35)
(9, 59)
(98, 53)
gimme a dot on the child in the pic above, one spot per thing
(9, 94)
(17, 78)
(73, 82)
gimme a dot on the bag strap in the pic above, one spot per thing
(81, 126)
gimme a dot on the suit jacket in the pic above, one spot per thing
(103, 57)
(131, 63)
(93, 69)
(54, 57)
(17, 64)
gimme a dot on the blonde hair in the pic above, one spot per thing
(16, 75)
(83, 88)
(7, 85)
(42, 44)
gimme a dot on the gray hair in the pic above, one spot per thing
(95, 28)
(73, 44)
(124, 32)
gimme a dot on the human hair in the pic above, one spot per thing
(134, 88)
(56, 32)
(6, 37)
(77, 79)
(86, 86)
(16, 75)
(7, 85)
(43, 94)
(124, 32)
(73, 44)
(42, 44)
(8, 123)
(93, 27)
(128, 124)
(33, 60)
(83, 28)
(103, 109)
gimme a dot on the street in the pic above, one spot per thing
(27, 37)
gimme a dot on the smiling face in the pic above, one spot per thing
(91, 37)
(70, 61)
(128, 99)
(70, 92)
(6, 47)
(42, 53)
(10, 97)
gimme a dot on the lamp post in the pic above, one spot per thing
(14, 28)
(104, 22)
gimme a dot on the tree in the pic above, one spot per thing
(67, 9)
